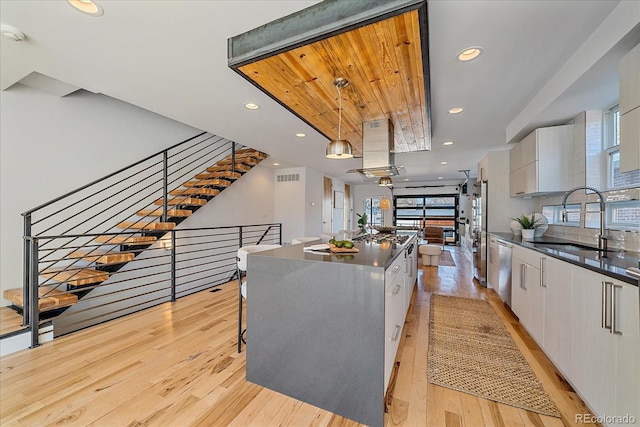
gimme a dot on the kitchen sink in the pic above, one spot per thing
(568, 247)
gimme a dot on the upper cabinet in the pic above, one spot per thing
(630, 111)
(542, 162)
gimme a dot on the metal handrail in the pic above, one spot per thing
(198, 258)
(51, 232)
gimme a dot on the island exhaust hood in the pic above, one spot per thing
(377, 150)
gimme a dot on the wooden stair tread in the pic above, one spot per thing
(220, 174)
(199, 191)
(250, 161)
(102, 256)
(53, 299)
(170, 212)
(252, 153)
(239, 167)
(217, 182)
(75, 276)
(187, 201)
(126, 240)
(138, 225)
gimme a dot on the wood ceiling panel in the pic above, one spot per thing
(383, 63)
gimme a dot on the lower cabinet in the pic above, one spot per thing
(587, 324)
(527, 295)
(394, 314)
(606, 343)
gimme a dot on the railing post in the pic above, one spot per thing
(239, 236)
(173, 266)
(233, 156)
(26, 266)
(280, 237)
(34, 312)
(165, 184)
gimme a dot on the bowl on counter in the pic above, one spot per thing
(384, 228)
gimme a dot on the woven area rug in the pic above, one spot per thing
(471, 351)
(446, 259)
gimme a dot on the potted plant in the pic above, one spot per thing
(528, 224)
(362, 223)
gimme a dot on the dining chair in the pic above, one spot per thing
(241, 267)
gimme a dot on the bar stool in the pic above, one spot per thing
(430, 254)
(241, 267)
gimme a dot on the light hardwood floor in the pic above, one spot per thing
(176, 365)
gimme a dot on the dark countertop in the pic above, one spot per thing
(614, 265)
(370, 255)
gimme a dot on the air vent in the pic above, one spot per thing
(288, 177)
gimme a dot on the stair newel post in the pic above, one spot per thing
(173, 266)
(26, 266)
(165, 185)
(34, 314)
(239, 237)
(233, 157)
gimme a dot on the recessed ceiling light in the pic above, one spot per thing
(276, 164)
(456, 110)
(447, 143)
(440, 177)
(301, 135)
(12, 33)
(87, 6)
(469, 53)
(406, 179)
(443, 163)
(251, 106)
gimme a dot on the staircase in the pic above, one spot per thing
(80, 265)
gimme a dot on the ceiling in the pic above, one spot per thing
(543, 63)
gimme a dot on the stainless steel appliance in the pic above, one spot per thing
(504, 271)
(382, 237)
(479, 230)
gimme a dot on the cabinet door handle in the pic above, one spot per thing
(543, 274)
(606, 305)
(521, 276)
(396, 333)
(524, 276)
(520, 192)
(614, 308)
(396, 290)
(395, 270)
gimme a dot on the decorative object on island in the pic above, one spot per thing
(362, 223)
(339, 148)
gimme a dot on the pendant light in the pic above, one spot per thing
(385, 181)
(340, 148)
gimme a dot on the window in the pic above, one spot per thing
(553, 213)
(614, 178)
(373, 211)
(421, 211)
(620, 215)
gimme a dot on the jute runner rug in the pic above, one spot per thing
(471, 351)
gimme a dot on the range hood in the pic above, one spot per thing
(377, 150)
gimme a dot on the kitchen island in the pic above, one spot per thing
(325, 328)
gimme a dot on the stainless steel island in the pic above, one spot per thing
(325, 329)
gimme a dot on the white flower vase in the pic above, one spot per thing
(516, 227)
(528, 233)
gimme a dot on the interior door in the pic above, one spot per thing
(347, 207)
(327, 206)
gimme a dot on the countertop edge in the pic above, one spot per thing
(510, 238)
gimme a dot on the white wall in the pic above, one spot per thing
(313, 202)
(51, 145)
(289, 203)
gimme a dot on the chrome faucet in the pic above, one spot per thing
(602, 237)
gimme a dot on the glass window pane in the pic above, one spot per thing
(405, 212)
(624, 215)
(621, 179)
(440, 201)
(592, 215)
(553, 213)
(409, 202)
(441, 212)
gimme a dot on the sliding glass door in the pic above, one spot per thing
(428, 211)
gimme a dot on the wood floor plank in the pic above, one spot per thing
(176, 365)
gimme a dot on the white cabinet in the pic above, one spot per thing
(542, 162)
(394, 313)
(527, 296)
(630, 110)
(493, 264)
(411, 268)
(605, 343)
(558, 309)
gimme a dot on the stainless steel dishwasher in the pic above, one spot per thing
(504, 271)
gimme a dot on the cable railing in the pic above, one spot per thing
(181, 262)
(97, 229)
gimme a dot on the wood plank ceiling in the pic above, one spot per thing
(384, 66)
